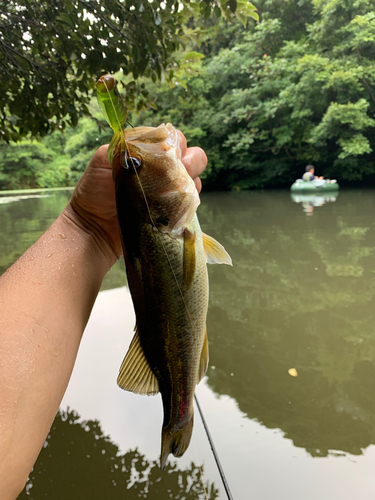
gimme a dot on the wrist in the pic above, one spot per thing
(92, 233)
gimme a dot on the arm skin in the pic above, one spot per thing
(46, 299)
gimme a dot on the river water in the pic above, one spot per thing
(289, 395)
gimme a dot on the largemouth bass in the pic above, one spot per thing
(166, 257)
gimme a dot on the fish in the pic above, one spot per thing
(166, 255)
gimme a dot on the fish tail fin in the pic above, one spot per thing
(175, 442)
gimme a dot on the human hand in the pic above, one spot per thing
(194, 159)
(93, 205)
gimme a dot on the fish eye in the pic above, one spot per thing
(134, 162)
(131, 162)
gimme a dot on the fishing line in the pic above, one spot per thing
(221, 472)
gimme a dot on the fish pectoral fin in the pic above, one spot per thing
(215, 252)
(135, 372)
(189, 258)
(203, 363)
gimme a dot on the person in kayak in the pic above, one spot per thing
(309, 174)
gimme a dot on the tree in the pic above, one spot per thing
(79, 461)
(279, 98)
(51, 52)
(40, 167)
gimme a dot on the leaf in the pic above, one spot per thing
(217, 11)
(65, 18)
(232, 4)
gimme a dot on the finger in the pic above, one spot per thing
(100, 158)
(195, 161)
(183, 143)
(198, 184)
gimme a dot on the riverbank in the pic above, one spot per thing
(31, 191)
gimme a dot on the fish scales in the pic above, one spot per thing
(172, 332)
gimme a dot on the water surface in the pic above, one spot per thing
(300, 295)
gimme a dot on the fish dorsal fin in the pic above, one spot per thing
(215, 252)
(135, 372)
(203, 363)
(189, 258)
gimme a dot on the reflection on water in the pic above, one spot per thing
(4, 200)
(23, 222)
(300, 295)
(79, 461)
(310, 201)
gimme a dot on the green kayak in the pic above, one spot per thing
(315, 186)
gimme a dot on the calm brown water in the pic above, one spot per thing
(300, 295)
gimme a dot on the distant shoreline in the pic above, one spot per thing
(36, 190)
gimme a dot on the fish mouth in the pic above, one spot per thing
(154, 140)
(153, 135)
(172, 139)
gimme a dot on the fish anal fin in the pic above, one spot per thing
(135, 373)
(215, 252)
(189, 258)
(203, 364)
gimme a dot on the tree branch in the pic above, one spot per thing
(105, 20)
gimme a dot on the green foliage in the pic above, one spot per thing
(279, 98)
(58, 160)
(39, 166)
(81, 145)
(263, 99)
(51, 53)
(355, 117)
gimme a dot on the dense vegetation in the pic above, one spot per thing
(298, 87)
(52, 51)
(58, 160)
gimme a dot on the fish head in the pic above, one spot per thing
(149, 160)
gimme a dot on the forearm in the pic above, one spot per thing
(45, 301)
